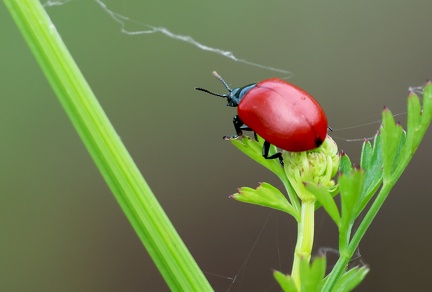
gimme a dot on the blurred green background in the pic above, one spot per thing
(62, 230)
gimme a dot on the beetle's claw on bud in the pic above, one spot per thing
(233, 137)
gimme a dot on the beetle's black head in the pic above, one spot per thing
(234, 96)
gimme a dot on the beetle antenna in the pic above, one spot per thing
(212, 93)
(215, 74)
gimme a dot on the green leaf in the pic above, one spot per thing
(345, 165)
(391, 135)
(268, 196)
(326, 200)
(418, 119)
(286, 282)
(418, 122)
(427, 105)
(350, 185)
(311, 275)
(253, 149)
(372, 164)
(350, 279)
(366, 154)
(414, 115)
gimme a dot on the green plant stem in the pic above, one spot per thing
(147, 217)
(388, 183)
(347, 254)
(293, 199)
(305, 238)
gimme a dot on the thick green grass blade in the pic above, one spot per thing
(153, 227)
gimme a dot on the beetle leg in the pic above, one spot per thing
(238, 126)
(265, 153)
(245, 128)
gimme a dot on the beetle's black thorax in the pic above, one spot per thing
(237, 94)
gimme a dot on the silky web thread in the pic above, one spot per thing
(123, 20)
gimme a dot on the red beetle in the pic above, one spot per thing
(281, 113)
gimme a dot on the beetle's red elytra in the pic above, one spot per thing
(284, 115)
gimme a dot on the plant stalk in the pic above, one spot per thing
(344, 258)
(305, 238)
(141, 207)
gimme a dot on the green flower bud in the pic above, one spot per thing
(317, 166)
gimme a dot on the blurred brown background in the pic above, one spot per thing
(62, 230)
